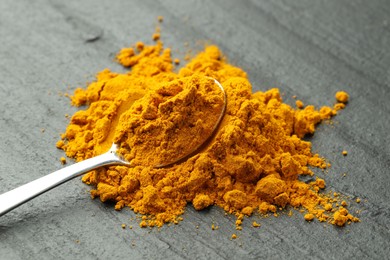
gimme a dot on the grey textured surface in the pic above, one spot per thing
(306, 48)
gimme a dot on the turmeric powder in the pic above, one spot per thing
(299, 104)
(168, 123)
(63, 160)
(251, 164)
(342, 96)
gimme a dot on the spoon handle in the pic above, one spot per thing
(24, 193)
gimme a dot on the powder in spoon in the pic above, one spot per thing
(170, 122)
(252, 163)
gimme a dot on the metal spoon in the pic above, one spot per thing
(16, 197)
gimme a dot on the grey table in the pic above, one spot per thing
(306, 48)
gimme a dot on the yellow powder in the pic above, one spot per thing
(156, 36)
(342, 96)
(251, 164)
(63, 160)
(255, 224)
(202, 201)
(139, 46)
(309, 217)
(299, 104)
(143, 224)
(338, 106)
(328, 207)
(342, 216)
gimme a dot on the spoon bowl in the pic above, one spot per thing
(26, 192)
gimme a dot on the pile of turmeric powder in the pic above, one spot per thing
(251, 164)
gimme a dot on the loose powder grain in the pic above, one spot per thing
(251, 164)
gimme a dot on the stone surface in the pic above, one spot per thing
(306, 48)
